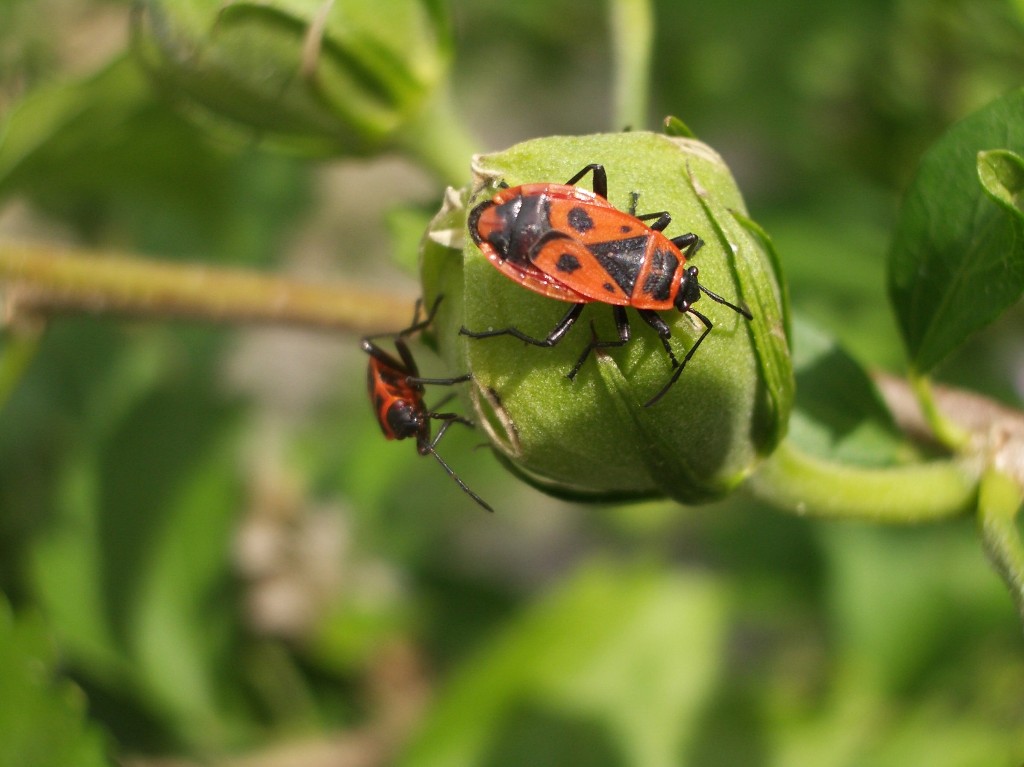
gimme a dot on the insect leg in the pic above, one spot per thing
(621, 324)
(654, 319)
(556, 335)
(384, 357)
(664, 218)
(689, 243)
(439, 381)
(600, 179)
(675, 376)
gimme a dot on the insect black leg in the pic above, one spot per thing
(407, 364)
(387, 359)
(689, 243)
(664, 218)
(621, 325)
(447, 419)
(675, 376)
(552, 338)
(420, 325)
(654, 319)
(416, 325)
(439, 381)
(600, 179)
(425, 447)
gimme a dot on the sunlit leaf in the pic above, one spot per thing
(957, 260)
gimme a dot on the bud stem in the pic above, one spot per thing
(812, 486)
(944, 429)
(438, 139)
(999, 504)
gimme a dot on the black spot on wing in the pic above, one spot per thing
(567, 263)
(580, 220)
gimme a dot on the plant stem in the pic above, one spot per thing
(945, 431)
(438, 139)
(999, 504)
(807, 485)
(631, 27)
(42, 280)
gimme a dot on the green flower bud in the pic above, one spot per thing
(333, 76)
(592, 438)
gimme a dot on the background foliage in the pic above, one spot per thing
(208, 552)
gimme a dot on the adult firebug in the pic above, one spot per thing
(397, 390)
(572, 245)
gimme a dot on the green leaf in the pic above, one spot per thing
(320, 78)
(615, 668)
(42, 719)
(103, 153)
(100, 136)
(677, 128)
(957, 260)
(1002, 175)
(134, 564)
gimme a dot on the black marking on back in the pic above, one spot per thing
(580, 220)
(622, 259)
(526, 219)
(658, 283)
(567, 263)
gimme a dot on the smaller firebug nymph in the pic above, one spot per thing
(573, 245)
(396, 392)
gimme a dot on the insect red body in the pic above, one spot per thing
(397, 394)
(572, 245)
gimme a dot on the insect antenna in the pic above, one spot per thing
(726, 302)
(429, 447)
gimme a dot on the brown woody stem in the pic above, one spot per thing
(39, 281)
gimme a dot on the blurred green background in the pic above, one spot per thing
(208, 553)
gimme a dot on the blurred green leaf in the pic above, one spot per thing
(102, 151)
(957, 259)
(623, 658)
(134, 565)
(42, 718)
(338, 77)
(84, 140)
(839, 413)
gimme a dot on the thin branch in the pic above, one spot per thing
(39, 281)
(995, 431)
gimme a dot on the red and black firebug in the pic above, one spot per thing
(573, 245)
(396, 392)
